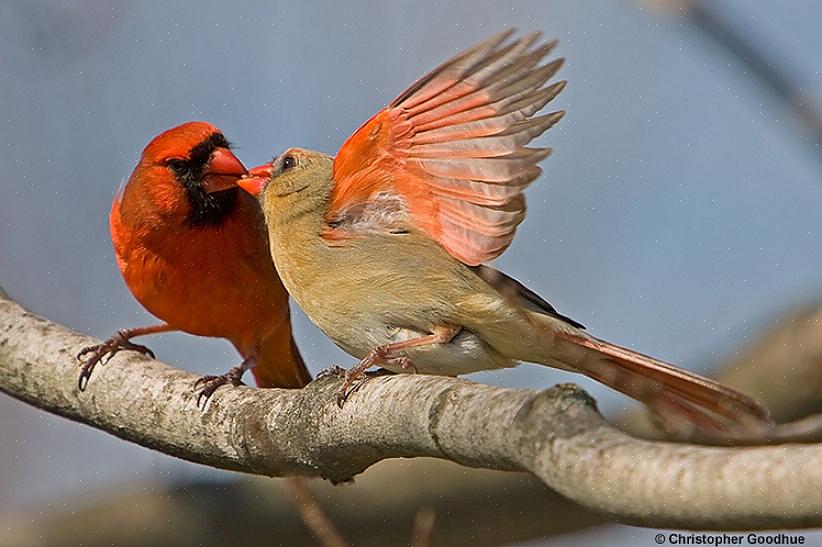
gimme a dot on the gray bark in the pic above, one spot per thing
(557, 434)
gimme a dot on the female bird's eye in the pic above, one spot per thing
(289, 162)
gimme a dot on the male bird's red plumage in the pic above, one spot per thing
(206, 272)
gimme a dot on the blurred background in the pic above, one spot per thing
(679, 214)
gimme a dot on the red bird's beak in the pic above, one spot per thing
(255, 180)
(222, 171)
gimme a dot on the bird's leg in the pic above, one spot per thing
(102, 353)
(355, 376)
(234, 376)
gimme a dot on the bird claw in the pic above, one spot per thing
(102, 354)
(405, 364)
(353, 379)
(211, 383)
(356, 376)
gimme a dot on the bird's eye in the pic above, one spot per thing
(176, 164)
(289, 162)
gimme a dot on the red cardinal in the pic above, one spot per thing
(193, 250)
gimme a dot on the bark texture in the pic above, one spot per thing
(557, 434)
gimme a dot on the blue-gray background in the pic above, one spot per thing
(679, 213)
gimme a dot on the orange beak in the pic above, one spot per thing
(222, 171)
(255, 180)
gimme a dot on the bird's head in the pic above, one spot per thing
(296, 181)
(190, 170)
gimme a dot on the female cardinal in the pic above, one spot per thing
(194, 252)
(383, 245)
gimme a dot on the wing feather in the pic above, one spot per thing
(453, 149)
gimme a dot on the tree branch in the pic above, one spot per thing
(756, 57)
(557, 434)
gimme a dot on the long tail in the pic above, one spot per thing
(671, 392)
(279, 363)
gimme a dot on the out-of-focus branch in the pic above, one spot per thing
(742, 43)
(473, 507)
(557, 434)
(782, 368)
(313, 515)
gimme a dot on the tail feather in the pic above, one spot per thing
(666, 389)
(279, 363)
(670, 392)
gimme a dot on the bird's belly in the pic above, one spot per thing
(205, 299)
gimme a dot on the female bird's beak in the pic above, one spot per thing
(255, 180)
(222, 171)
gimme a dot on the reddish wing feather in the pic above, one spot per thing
(452, 150)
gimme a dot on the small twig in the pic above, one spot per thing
(741, 42)
(312, 514)
(423, 527)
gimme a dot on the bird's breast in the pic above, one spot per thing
(208, 281)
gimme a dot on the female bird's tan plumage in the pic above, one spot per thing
(383, 246)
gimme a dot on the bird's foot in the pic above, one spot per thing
(353, 379)
(404, 363)
(334, 371)
(356, 376)
(102, 353)
(210, 383)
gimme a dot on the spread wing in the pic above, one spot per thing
(449, 154)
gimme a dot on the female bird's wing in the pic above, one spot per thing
(449, 154)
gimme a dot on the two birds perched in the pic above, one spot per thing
(384, 246)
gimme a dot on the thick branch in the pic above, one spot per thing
(557, 434)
